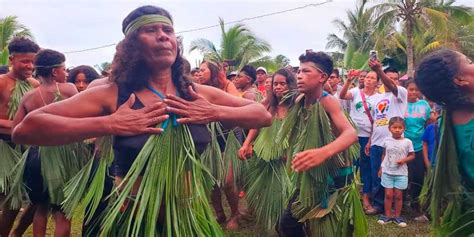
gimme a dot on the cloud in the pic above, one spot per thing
(82, 24)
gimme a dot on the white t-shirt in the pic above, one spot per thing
(345, 104)
(358, 114)
(396, 150)
(386, 107)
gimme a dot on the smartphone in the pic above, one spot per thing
(373, 55)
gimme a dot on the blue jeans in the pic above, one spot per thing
(376, 153)
(364, 164)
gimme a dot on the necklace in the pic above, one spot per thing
(162, 97)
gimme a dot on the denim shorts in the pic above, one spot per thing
(394, 181)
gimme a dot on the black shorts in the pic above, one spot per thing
(33, 179)
(222, 139)
(8, 139)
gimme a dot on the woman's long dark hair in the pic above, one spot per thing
(129, 67)
(273, 100)
(435, 78)
(214, 68)
(88, 71)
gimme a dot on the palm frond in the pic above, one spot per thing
(265, 145)
(444, 186)
(20, 89)
(10, 158)
(10, 28)
(438, 19)
(170, 180)
(335, 42)
(58, 165)
(212, 157)
(86, 188)
(204, 46)
(430, 47)
(17, 194)
(268, 190)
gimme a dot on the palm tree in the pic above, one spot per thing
(465, 39)
(357, 38)
(103, 66)
(10, 28)
(395, 46)
(418, 16)
(272, 64)
(238, 43)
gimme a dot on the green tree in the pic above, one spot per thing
(417, 16)
(103, 66)
(464, 39)
(395, 47)
(272, 64)
(10, 28)
(238, 43)
(357, 36)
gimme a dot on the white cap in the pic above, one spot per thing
(262, 69)
(234, 73)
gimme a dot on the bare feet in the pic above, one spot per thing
(233, 222)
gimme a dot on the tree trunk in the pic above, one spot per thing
(410, 55)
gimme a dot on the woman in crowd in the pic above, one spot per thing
(446, 77)
(45, 191)
(211, 74)
(268, 183)
(362, 102)
(82, 76)
(416, 118)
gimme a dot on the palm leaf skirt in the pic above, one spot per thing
(9, 159)
(268, 190)
(17, 194)
(212, 157)
(219, 162)
(86, 188)
(172, 182)
(59, 164)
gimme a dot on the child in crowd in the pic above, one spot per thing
(394, 171)
(431, 136)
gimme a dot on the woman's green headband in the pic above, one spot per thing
(144, 20)
(50, 66)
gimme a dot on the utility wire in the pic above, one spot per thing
(217, 25)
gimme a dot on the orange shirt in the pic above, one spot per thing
(231, 89)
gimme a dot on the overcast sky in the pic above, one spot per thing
(81, 24)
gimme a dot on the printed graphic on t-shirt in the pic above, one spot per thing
(393, 155)
(381, 110)
(416, 112)
(360, 107)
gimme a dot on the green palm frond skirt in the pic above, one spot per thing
(267, 182)
(325, 200)
(164, 192)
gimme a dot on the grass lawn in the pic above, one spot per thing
(250, 228)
